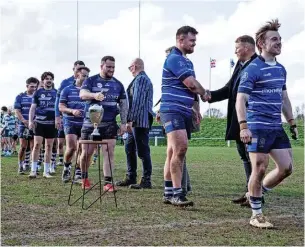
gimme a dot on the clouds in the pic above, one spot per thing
(293, 50)
(44, 38)
(246, 19)
(31, 44)
(21, 25)
(120, 37)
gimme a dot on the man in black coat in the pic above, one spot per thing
(245, 52)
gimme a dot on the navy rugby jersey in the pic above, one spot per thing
(113, 91)
(70, 97)
(265, 84)
(176, 97)
(23, 103)
(45, 101)
(66, 82)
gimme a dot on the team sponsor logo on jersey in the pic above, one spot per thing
(268, 74)
(45, 98)
(110, 96)
(27, 99)
(77, 103)
(100, 85)
(42, 96)
(274, 90)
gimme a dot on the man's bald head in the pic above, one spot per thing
(136, 66)
(139, 63)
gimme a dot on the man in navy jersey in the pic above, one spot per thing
(103, 89)
(43, 108)
(59, 121)
(179, 88)
(263, 87)
(22, 107)
(73, 109)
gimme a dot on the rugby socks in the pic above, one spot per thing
(20, 163)
(53, 159)
(41, 156)
(107, 180)
(177, 192)
(27, 157)
(78, 172)
(256, 205)
(46, 167)
(84, 175)
(52, 166)
(168, 188)
(34, 167)
(61, 158)
(67, 166)
(265, 189)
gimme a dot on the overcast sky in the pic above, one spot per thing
(41, 36)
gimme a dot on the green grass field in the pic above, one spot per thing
(35, 212)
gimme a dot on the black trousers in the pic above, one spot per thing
(244, 156)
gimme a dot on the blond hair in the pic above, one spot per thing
(260, 35)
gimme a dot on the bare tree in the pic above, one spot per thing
(299, 112)
(296, 111)
(215, 113)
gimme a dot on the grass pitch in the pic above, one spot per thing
(35, 212)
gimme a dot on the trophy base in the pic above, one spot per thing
(95, 138)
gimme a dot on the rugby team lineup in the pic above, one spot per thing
(85, 107)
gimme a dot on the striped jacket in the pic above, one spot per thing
(140, 96)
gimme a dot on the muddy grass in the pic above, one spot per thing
(35, 212)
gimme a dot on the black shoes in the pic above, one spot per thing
(244, 201)
(21, 171)
(167, 199)
(240, 200)
(145, 183)
(66, 175)
(126, 182)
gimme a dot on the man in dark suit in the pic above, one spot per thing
(245, 52)
(139, 121)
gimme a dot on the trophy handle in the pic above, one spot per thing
(95, 125)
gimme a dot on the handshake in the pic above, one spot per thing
(206, 97)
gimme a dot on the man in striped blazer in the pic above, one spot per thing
(139, 121)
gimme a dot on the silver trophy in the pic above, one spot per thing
(96, 113)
